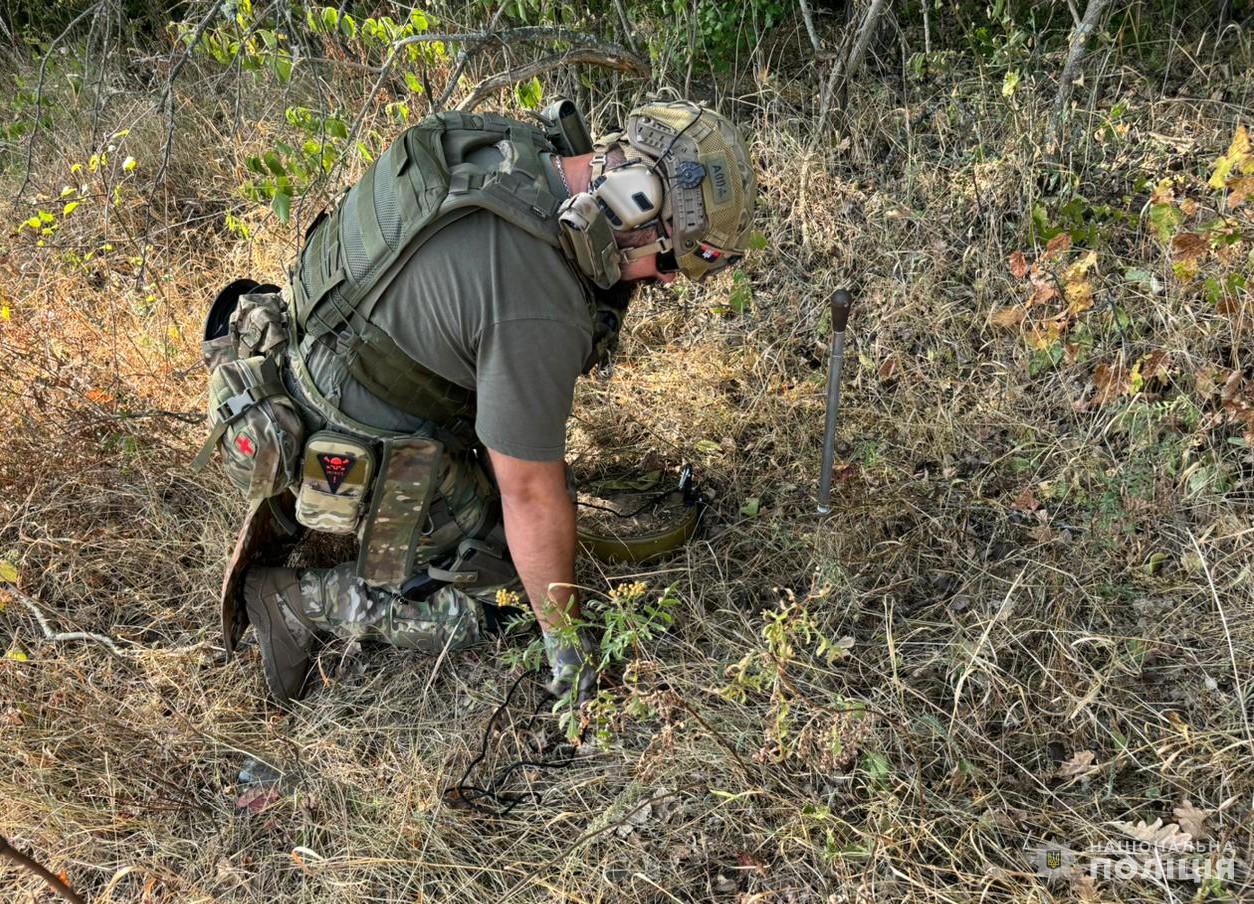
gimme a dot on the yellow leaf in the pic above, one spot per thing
(17, 655)
(4, 312)
(1238, 158)
(8, 572)
(129, 164)
(69, 208)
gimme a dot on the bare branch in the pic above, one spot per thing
(460, 66)
(39, 97)
(13, 855)
(626, 23)
(606, 55)
(807, 16)
(52, 635)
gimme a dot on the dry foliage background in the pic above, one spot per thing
(1029, 620)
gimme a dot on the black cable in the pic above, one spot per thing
(470, 795)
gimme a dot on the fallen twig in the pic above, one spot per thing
(13, 855)
(53, 635)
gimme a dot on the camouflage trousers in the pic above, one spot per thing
(337, 601)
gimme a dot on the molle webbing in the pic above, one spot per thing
(421, 183)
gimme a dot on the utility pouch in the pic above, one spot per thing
(255, 425)
(335, 480)
(398, 510)
(221, 342)
(259, 324)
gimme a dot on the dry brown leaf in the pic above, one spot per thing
(1109, 382)
(888, 368)
(1191, 819)
(1240, 190)
(1044, 288)
(1189, 246)
(1027, 502)
(1057, 245)
(1149, 366)
(1008, 318)
(1163, 193)
(1080, 765)
(1204, 381)
(1167, 837)
(1188, 206)
(1018, 265)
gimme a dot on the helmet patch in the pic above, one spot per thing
(720, 179)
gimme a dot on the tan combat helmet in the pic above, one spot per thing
(710, 185)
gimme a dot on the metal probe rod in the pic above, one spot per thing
(841, 301)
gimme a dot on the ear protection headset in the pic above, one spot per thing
(619, 199)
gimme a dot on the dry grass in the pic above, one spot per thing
(1012, 575)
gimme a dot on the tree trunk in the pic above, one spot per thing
(844, 70)
(1070, 72)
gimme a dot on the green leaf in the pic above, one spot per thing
(1165, 220)
(1045, 359)
(751, 507)
(336, 127)
(274, 164)
(757, 241)
(412, 83)
(330, 17)
(877, 767)
(282, 206)
(348, 27)
(707, 446)
(529, 94)
(1010, 82)
(283, 69)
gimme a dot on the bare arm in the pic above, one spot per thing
(540, 530)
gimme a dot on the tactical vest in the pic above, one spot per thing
(423, 182)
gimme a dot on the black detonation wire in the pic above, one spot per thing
(506, 801)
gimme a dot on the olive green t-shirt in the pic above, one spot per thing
(493, 309)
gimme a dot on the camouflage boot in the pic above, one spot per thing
(336, 600)
(286, 637)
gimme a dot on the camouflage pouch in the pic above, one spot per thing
(398, 512)
(221, 341)
(259, 324)
(255, 426)
(335, 481)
